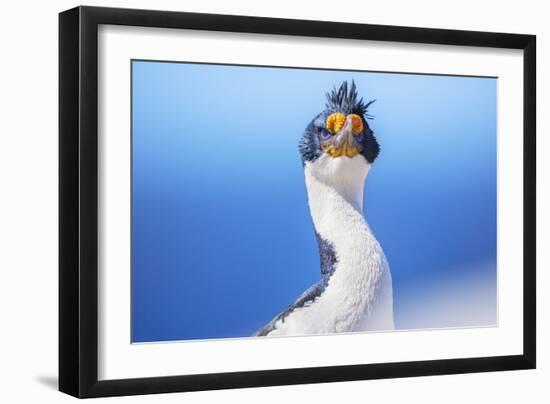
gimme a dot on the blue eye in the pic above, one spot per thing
(325, 134)
(359, 137)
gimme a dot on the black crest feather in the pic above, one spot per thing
(345, 100)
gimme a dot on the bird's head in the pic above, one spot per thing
(340, 138)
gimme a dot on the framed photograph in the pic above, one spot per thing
(251, 201)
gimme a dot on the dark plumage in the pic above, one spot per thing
(344, 100)
(328, 258)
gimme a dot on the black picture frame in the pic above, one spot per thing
(78, 201)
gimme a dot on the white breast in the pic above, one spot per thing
(358, 296)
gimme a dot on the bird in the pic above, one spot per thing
(355, 291)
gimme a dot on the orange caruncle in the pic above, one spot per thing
(335, 122)
(356, 124)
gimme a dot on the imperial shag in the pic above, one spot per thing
(355, 290)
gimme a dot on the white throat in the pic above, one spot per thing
(333, 183)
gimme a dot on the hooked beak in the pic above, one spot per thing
(344, 142)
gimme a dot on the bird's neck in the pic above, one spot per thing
(335, 196)
(355, 269)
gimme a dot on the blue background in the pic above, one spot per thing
(222, 239)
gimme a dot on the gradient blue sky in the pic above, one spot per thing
(222, 239)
